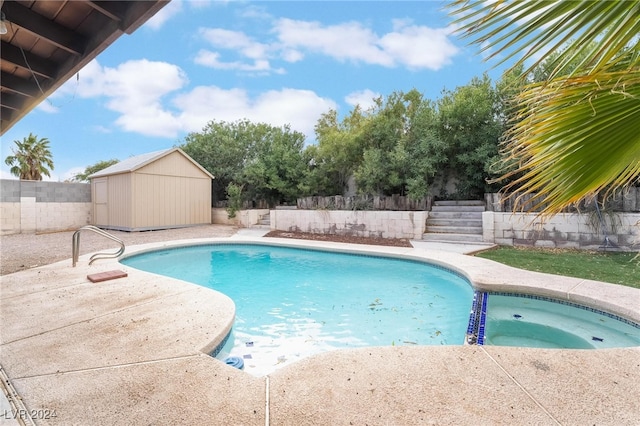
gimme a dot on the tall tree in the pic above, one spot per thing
(402, 151)
(31, 158)
(576, 133)
(470, 126)
(338, 151)
(223, 149)
(277, 171)
(266, 162)
(94, 168)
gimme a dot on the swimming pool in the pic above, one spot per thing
(293, 302)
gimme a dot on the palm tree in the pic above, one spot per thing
(576, 134)
(31, 159)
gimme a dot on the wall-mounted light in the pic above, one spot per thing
(3, 23)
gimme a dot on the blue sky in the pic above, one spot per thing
(283, 62)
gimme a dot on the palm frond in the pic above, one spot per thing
(577, 137)
(597, 30)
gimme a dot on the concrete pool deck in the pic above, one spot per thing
(133, 351)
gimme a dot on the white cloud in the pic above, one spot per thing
(364, 98)
(167, 12)
(344, 42)
(48, 106)
(228, 39)
(200, 4)
(131, 93)
(419, 47)
(257, 53)
(299, 108)
(412, 46)
(255, 12)
(291, 55)
(152, 106)
(211, 59)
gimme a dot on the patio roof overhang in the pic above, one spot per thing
(49, 41)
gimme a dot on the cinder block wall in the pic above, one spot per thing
(361, 223)
(36, 206)
(244, 218)
(566, 230)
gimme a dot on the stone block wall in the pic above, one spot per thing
(565, 230)
(36, 206)
(361, 223)
(244, 218)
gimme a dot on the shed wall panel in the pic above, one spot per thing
(100, 197)
(165, 201)
(119, 204)
(174, 164)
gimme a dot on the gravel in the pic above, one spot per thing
(25, 251)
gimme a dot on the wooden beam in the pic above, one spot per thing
(115, 10)
(6, 116)
(37, 64)
(11, 100)
(44, 28)
(19, 85)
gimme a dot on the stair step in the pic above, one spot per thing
(454, 222)
(470, 238)
(457, 208)
(455, 215)
(455, 229)
(459, 203)
(265, 219)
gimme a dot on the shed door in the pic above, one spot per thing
(101, 206)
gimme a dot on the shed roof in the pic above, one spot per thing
(132, 164)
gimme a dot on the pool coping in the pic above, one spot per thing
(50, 382)
(616, 299)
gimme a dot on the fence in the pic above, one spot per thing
(36, 206)
(363, 202)
(627, 201)
(564, 230)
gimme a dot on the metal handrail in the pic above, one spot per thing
(75, 245)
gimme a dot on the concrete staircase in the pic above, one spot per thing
(455, 221)
(265, 221)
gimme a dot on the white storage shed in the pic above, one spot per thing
(158, 190)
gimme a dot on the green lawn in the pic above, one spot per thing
(617, 268)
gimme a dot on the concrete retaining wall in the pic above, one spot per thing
(36, 206)
(244, 218)
(361, 223)
(566, 230)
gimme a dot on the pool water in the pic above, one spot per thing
(293, 303)
(542, 323)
